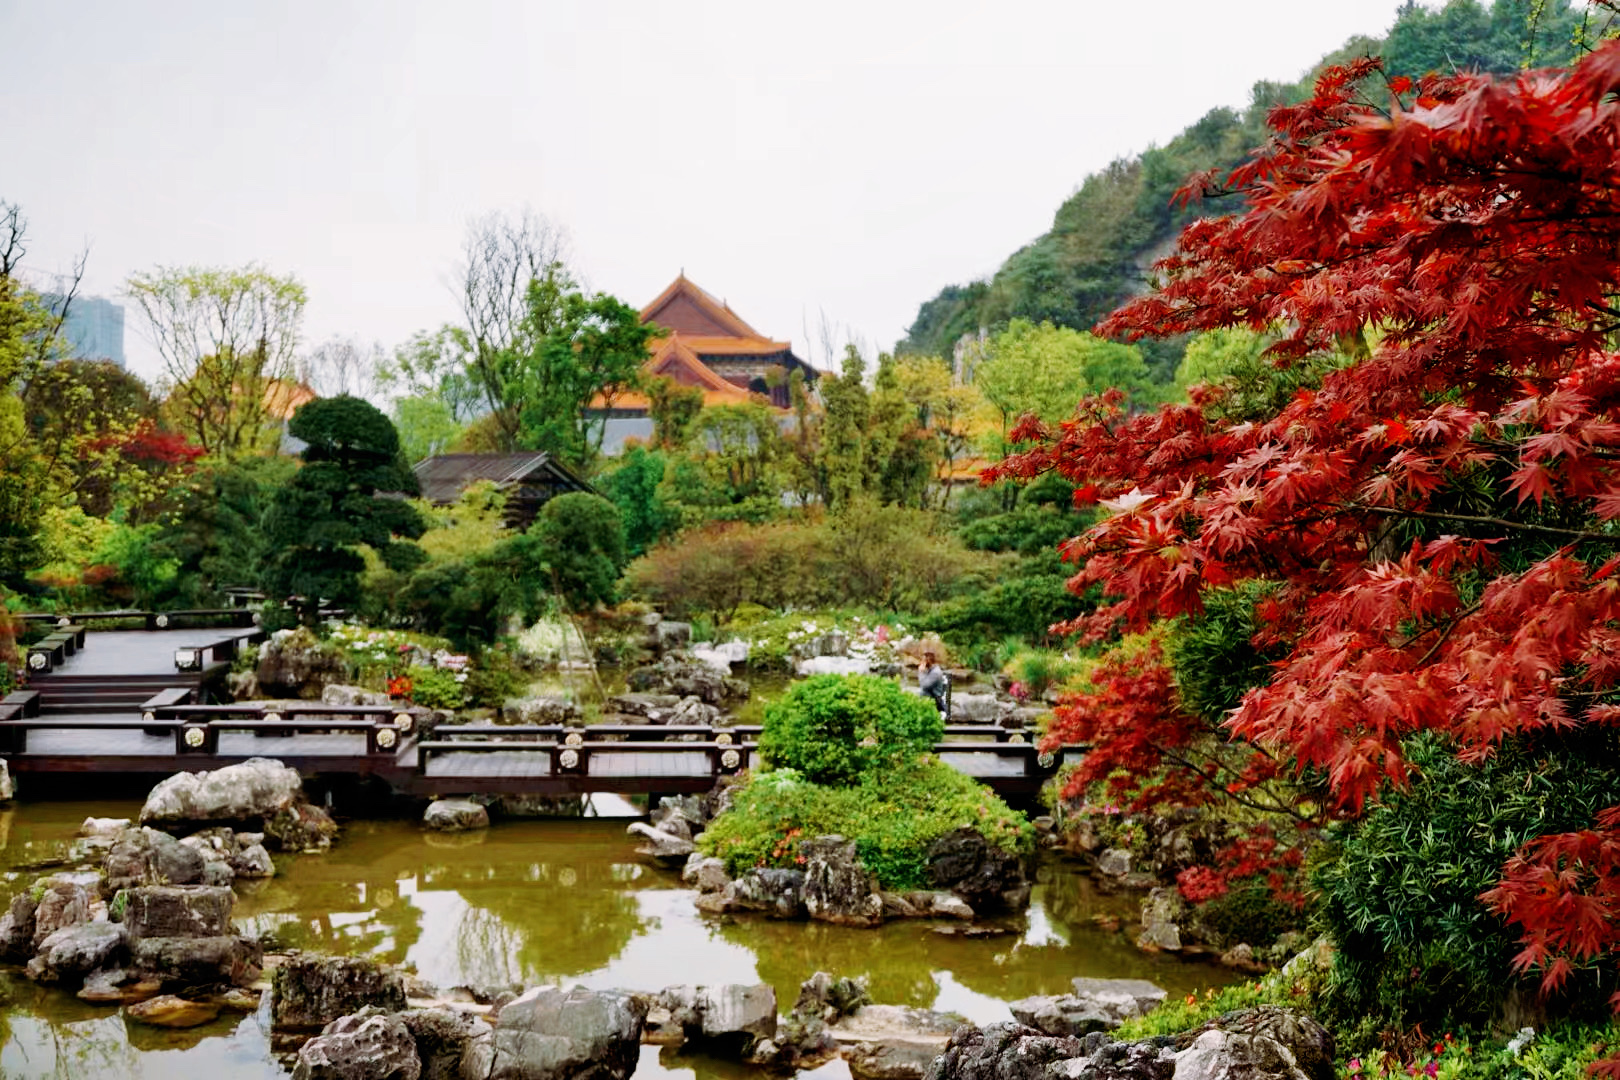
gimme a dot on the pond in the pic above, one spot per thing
(556, 901)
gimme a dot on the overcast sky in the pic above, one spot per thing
(846, 158)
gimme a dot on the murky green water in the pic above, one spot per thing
(562, 901)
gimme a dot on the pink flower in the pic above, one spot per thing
(1432, 1067)
(882, 633)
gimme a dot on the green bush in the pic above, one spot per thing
(893, 817)
(1401, 900)
(839, 729)
(496, 677)
(436, 688)
(1247, 912)
(1214, 656)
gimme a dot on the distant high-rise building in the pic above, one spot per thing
(94, 329)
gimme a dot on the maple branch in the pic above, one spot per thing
(1212, 779)
(1446, 633)
(1481, 519)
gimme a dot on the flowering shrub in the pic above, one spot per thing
(380, 658)
(437, 688)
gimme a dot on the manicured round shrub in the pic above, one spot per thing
(894, 816)
(838, 729)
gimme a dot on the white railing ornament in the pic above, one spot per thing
(386, 737)
(403, 721)
(568, 759)
(37, 661)
(730, 759)
(573, 738)
(161, 622)
(724, 738)
(194, 736)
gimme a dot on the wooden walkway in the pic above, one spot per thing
(119, 705)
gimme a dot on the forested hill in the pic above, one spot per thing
(1106, 236)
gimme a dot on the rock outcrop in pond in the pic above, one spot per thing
(1263, 1043)
(259, 794)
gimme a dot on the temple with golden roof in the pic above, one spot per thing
(709, 346)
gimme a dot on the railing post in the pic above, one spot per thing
(382, 738)
(191, 739)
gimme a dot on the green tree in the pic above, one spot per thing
(584, 346)
(841, 462)
(579, 537)
(225, 336)
(1046, 369)
(673, 409)
(633, 482)
(339, 502)
(214, 530)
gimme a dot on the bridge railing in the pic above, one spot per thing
(196, 729)
(731, 749)
(173, 619)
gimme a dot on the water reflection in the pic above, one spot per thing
(559, 901)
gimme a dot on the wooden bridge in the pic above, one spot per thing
(135, 702)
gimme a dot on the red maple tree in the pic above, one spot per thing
(1439, 515)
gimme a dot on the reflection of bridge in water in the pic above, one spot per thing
(136, 702)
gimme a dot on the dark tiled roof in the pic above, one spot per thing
(445, 476)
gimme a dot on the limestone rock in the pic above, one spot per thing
(737, 1012)
(170, 1011)
(985, 876)
(1263, 1043)
(17, 929)
(297, 664)
(706, 873)
(368, 1046)
(175, 911)
(442, 1040)
(103, 826)
(310, 992)
(775, 892)
(685, 677)
(253, 861)
(578, 1034)
(149, 857)
(1160, 912)
(837, 888)
(75, 951)
(455, 815)
(829, 998)
(654, 708)
(1062, 1015)
(968, 708)
(224, 959)
(1121, 999)
(1002, 1052)
(665, 848)
(1106, 1059)
(949, 906)
(253, 790)
(63, 904)
(542, 711)
(300, 827)
(1114, 862)
(344, 694)
(893, 1042)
